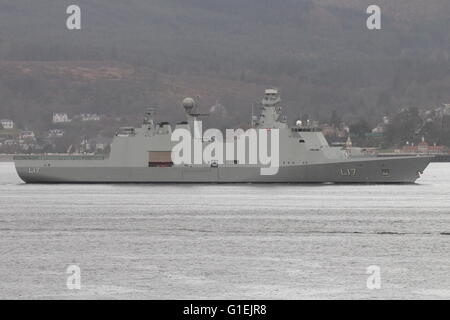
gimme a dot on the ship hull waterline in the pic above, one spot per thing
(373, 170)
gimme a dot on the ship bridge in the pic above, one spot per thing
(271, 111)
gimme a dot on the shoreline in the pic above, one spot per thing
(6, 157)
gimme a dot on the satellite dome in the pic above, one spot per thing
(188, 104)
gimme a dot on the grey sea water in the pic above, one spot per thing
(225, 241)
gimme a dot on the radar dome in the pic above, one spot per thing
(188, 104)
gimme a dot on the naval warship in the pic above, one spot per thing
(145, 155)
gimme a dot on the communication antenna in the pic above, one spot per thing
(190, 106)
(252, 116)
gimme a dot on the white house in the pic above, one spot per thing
(60, 118)
(378, 129)
(55, 133)
(10, 142)
(27, 135)
(7, 124)
(90, 117)
(381, 127)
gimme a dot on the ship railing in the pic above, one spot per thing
(59, 157)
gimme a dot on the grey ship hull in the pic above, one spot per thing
(357, 170)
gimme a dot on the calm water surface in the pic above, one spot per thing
(225, 241)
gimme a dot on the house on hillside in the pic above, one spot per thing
(27, 135)
(381, 127)
(330, 131)
(10, 142)
(90, 117)
(424, 148)
(60, 118)
(7, 124)
(55, 133)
